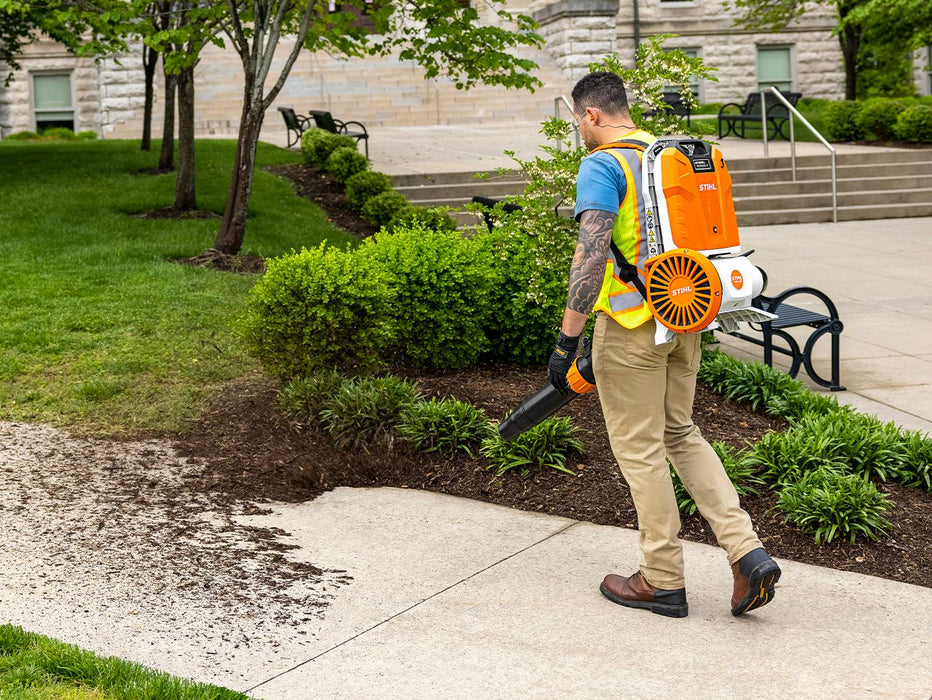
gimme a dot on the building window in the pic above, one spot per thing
(52, 100)
(775, 67)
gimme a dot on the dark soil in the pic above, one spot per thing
(255, 454)
(327, 193)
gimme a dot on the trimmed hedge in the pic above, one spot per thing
(365, 185)
(915, 124)
(841, 121)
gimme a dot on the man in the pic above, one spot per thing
(646, 390)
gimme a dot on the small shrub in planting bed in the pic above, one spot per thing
(783, 458)
(23, 136)
(439, 290)
(739, 470)
(917, 461)
(545, 446)
(312, 147)
(841, 121)
(435, 218)
(366, 411)
(302, 398)
(382, 208)
(318, 309)
(346, 161)
(365, 185)
(831, 505)
(878, 116)
(915, 124)
(58, 133)
(444, 425)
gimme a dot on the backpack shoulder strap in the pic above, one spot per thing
(623, 143)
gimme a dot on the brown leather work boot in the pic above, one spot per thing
(636, 592)
(755, 576)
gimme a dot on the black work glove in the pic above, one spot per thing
(561, 359)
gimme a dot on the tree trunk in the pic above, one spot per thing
(233, 229)
(149, 61)
(850, 39)
(184, 182)
(167, 155)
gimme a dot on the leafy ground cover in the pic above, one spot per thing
(101, 330)
(33, 667)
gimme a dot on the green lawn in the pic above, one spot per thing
(33, 667)
(99, 329)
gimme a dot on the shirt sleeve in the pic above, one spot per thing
(600, 184)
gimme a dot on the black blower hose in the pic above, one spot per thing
(547, 400)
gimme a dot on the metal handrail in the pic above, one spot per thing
(794, 111)
(556, 113)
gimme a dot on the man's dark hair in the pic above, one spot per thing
(603, 90)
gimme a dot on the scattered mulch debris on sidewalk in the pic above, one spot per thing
(253, 453)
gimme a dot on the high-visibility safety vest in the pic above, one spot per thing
(618, 298)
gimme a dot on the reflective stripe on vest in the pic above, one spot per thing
(618, 299)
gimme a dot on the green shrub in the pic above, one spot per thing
(841, 121)
(527, 298)
(915, 124)
(444, 425)
(23, 136)
(545, 446)
(367, 411)
(365, 185)
(57, 133)
(435, 218)
(381, 208)
(439, 284)
(831, 505)
(785, 457)
(739, 470)
(346, 161)
(86, 136)
(320, 144)
(878, 116)
(302, 398)
(312, 147)
(318, 309)
(917, 461)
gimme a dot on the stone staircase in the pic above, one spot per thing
(875, 185)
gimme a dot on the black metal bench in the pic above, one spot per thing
(488, 204)
(789, 316)
(675, 105)
(327, 122)
(296, 125)
(750, 115)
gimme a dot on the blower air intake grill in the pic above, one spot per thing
(684, 291)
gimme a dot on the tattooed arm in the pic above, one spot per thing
(588, 269)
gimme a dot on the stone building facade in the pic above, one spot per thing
(107, 96)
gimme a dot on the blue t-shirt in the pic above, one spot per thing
(600, 184)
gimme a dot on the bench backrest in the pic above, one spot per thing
(291, 119)
(751, 107)
(324, 120)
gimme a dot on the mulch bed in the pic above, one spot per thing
(255, 454)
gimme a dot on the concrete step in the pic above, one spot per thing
(822, 214)
(824, 172)
(857, 184)
(845, 199)
(903, 155)
(465, 178)
(457, 191)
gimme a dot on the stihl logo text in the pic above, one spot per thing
(681, 290)
(706, 188)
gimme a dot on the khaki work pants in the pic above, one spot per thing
(647, 394)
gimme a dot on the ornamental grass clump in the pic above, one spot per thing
(738, 468)
(302, 398)
(444, 425)
(545, 446)
(365, 412)
(831, 505)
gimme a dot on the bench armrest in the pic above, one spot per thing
(730, 104)
(361, 126)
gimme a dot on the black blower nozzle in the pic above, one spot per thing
(547, 400)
